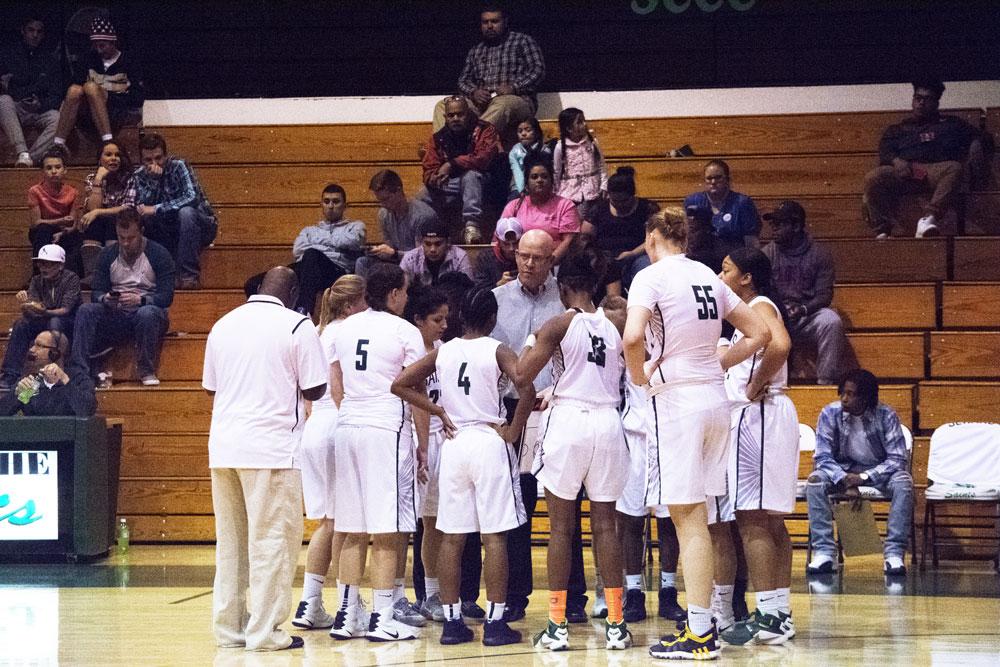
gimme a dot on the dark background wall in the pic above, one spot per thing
(270, 48)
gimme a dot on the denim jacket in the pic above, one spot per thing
(885, 437)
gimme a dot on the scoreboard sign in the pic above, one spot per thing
(29, 495)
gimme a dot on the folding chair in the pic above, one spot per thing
(873, 494)
(963, 470)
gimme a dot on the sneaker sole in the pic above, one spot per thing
(344, 638)
(501, 642)
(452, 641)
(385, 640)
(310, 626)
(710, 655)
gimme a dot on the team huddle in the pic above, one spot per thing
(646, 411)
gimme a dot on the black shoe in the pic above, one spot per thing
(634, 608)
(511, 614)
(826, 567)
(297, 642)
(740, 610)
(576, 614)
(474, 611)
(895, 571)
(668, 607)
(456, 632)
(498, 633)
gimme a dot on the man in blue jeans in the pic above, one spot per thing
(132, 289)
(173, 208)
(859, 443)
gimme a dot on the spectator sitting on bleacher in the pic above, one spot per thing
(498, 265)
(927, 153)
(112, 92)
(456, 161)
(46, 390)
(33, 90)
(734, 215)
(106, 191)
(327, 250)
(539, 207)
(53, 208)
(804, 276)
(399, 218)
(49, 303)
(529, 140)
(500, 76)
(434, 256)
(132, 289)
(859, 443)
(618, 226)
(703, 245)
(176, 214)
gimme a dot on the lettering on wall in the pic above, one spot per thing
(29, 495)
(681, 6)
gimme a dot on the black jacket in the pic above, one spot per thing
(34, 72)
(75, 399)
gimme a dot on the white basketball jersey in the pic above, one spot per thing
(740, 375)
(434, 393)
(688, 303)
(587, 366)
(373, 347)
(325, 402)
(471, 381)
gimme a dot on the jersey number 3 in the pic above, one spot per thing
(596, 354)
(463, 379)
(707, 308)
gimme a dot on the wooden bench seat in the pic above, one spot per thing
(970, 305)
(977, 258)
(964, 354)
(942, 402)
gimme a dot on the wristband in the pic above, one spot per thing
(530, 340)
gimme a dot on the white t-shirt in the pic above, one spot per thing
(373, 347)
(738, 376)
(326, 340)
(257, 358)
(587, 364)
(471, 381)
(688, 303)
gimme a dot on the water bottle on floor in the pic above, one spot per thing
(123, 534)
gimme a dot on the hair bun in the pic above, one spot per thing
(625, 170)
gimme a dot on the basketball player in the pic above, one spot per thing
(631, 507)
(675, 312)
(763, 459)
(375, 478)
(478, 478)
(582, 442)
(344, 298)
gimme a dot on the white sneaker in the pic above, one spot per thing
(821, 564)
(382, 628)
(312, 616)
(406, 612)
(150, 381)
(927, 227)
(350, 623)
(787, 624)
(24, 160)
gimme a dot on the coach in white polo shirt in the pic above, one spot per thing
(261, 360)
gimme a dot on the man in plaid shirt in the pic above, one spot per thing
(500, 77)
(173, 208)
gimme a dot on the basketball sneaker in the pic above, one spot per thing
(554, 637)
(349, 624)
(408, 613)
(616, 636)
(759, 628)
(456, 632)
(432, 609)
(634, 609)
(498, 633)
(382, 628)
(927, 227)
(600, 608)
(787, 624)
(668, 607)
(472, 610)
(686, 645)
(312, 616)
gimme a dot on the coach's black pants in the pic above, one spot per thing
(472, 566)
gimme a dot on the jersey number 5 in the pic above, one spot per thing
(596, 354)
(463, 379)
(707, 308)
(361, 363)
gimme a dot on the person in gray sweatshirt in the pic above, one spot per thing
(803, 275)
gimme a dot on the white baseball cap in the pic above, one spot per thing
(506, 226)
(51, 253)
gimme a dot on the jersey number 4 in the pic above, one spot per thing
(597, 354)
(707, 308)
(361, 363)
(463, 379)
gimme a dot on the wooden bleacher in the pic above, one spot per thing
(921, 313)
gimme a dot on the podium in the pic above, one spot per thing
(58, 486)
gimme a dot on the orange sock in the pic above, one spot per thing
(613, 597)
(557, 607)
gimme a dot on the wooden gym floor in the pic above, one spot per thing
(153, 607)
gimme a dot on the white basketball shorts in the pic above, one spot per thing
(318, 459)
(375, 487)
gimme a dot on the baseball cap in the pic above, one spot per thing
(51, 253)
(101, 29)
(434, 228)
(507, 226)
(787, 210)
